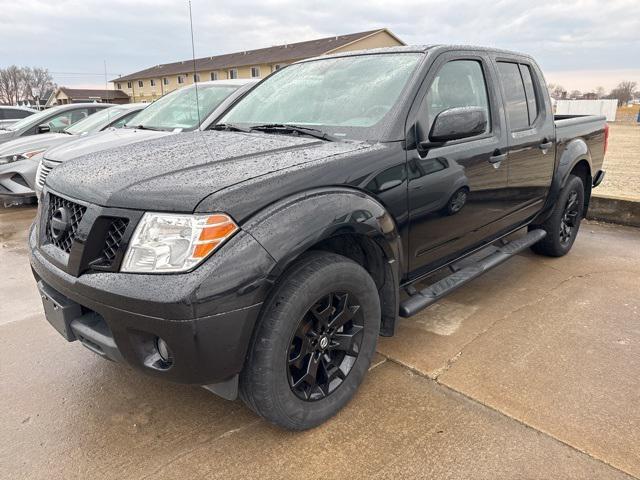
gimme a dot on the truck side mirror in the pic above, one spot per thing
(44, 128)
(457, 123)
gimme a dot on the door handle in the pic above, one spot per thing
(497, 157)
(545, 145)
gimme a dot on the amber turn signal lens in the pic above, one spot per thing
(217, 228)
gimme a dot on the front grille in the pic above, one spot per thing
(75, 214)
(43, 172)
(112, 242)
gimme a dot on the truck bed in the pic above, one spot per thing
(587, 128)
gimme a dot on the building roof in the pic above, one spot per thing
(92, 93)
(279, 53)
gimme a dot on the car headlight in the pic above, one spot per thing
(20, 156)
(165, 242)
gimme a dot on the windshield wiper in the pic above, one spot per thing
(285, 127)
(142, 127)
(229, 127)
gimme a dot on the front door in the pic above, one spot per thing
(455, 190)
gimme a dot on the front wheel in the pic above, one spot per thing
(314, 342)
(563, 224)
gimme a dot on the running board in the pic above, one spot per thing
(422, 299)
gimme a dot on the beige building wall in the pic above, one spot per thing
(149, 93)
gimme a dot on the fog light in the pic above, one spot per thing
(163, 351)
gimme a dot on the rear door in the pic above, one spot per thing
(455, 190)
(531, 136)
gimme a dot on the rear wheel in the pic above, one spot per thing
(563, 224)
(314, 343)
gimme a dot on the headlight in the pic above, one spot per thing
(20, 156)
(164, 242)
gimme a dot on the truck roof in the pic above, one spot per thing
(418, 48)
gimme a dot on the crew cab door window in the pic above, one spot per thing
(459, 83)
(515, 99)
(529, 90)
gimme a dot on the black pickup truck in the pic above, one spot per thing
(264, 257)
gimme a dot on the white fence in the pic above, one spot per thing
(588, 107)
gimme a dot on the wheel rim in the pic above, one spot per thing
(325, 346)
(569, 219)
(458, 201)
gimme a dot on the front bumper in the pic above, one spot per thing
(17, 180)
(206, 317)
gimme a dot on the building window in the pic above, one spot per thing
(165, 81)
(180, 79)
(119, 85)
(214, 75)
(152, 82)
(233, 73)
(128, 84)
(277, 66)
(196, 77)
(255, 72)
(140, 83)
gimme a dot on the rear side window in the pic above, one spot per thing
(515, 100)
(529, 90)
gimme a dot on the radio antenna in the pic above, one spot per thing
(193, 56)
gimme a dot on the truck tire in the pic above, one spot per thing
(313, 343)
(563, 224)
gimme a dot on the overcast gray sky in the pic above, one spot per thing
(579, 43)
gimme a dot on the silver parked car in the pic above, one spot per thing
(173, 113)
(54, 119)
(10, 115)
(19, 158)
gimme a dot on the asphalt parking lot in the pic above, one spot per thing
(528, 372)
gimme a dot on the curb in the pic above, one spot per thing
(608, 208)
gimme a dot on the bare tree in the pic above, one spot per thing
(575, 94)
(12, 84)
(23, 83)
(38, 82)
(600, 92)
(623, 92)
(557, 91)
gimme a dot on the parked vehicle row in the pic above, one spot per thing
(262, 257)
(24, 165)
(22, 155)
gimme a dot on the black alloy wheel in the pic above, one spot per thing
(569, 218)
(563, 223)
(325, 346)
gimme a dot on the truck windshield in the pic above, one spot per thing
(177, 110)
(339, 93)
(96, 122)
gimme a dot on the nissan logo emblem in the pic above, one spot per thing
(59, 223)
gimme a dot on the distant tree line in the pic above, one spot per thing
(625, 92)
(19, 84)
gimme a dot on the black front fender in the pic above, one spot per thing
(293, 225)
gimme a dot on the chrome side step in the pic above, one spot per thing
(423, 298)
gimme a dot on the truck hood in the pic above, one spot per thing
(96, 142)
(33, 142)
(174, 173)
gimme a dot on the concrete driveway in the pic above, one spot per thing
(529, 372)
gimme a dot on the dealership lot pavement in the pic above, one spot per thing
(528, 372)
